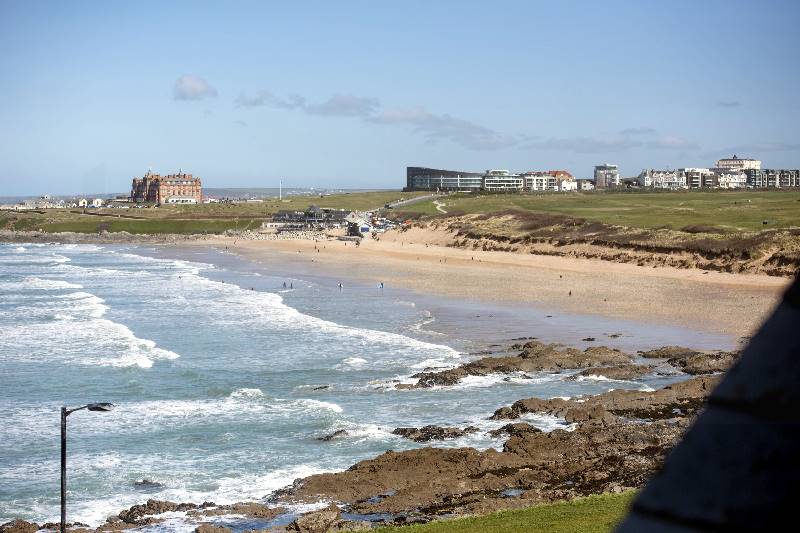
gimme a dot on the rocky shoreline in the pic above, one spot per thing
(618, 439)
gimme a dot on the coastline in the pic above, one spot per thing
(286, 251)
(732, 304)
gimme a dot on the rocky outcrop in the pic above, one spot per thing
(681, 399)
(694, 362)
(249, 509)
(335, 435)
(140, 514)
(534, 357)
(667, 352)
(327, 520)
(622, 372)
(519, 429)
(544, 466)
(705, 363)
(429, 433)
(19, 526)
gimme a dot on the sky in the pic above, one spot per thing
(349, 93)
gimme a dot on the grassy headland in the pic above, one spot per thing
(599, 513)
(728, 211)
(729, 231)
(185, 219)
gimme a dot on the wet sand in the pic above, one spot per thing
(732, 304)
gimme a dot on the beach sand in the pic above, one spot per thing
(733, 304)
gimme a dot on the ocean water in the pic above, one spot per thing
(223, 379)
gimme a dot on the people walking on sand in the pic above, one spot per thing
(341, 286)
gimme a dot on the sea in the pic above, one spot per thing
(225, 374)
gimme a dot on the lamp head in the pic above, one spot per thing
(103, 406)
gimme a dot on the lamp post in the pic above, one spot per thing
(102, 407)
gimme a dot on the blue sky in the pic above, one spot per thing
(347, 94)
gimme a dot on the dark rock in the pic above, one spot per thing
(335, 435)
(250, 509)
(535, 357)
(19, 526)
(147, 484)
(137, 513)
(514, 430)
(668, 352)
(705, 363)
(589, 339)
(429, 433)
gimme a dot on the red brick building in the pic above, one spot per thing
(178, 188)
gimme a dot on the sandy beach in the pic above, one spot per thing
(733, 304)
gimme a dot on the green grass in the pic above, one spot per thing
(594, 514)
(203, 218)
(731, 211)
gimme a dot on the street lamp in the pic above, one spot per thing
(102, 407)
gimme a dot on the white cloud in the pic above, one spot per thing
(189, 87)
(440, 127)
(345, 105)
(627, 139)
(267, 99)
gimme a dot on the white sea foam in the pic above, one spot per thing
(33, 259)
(36, 283)
(351, 362)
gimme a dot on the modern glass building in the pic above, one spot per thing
(434, 179)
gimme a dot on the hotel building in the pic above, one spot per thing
(736, 163)
(180, 188)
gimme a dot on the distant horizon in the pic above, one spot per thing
(347, 94)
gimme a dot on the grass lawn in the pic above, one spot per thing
(729, 210)
(208, 218)
(594, 514)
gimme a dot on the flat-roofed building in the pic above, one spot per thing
(434, 179)
(606, 176)
(549, 180)
(502, 180)
(738, 163)
(772, 178)
(699, 178)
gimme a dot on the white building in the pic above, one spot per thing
(182, 200)
(502, 180)
(606, 176)
(697, 178)
(585, 185)
(539, 181)
(662, 179)
(736, 163)
(566, 185)
(97, 202)
(731, 179)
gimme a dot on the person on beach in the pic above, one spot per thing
(284, 284)
(340, 286)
